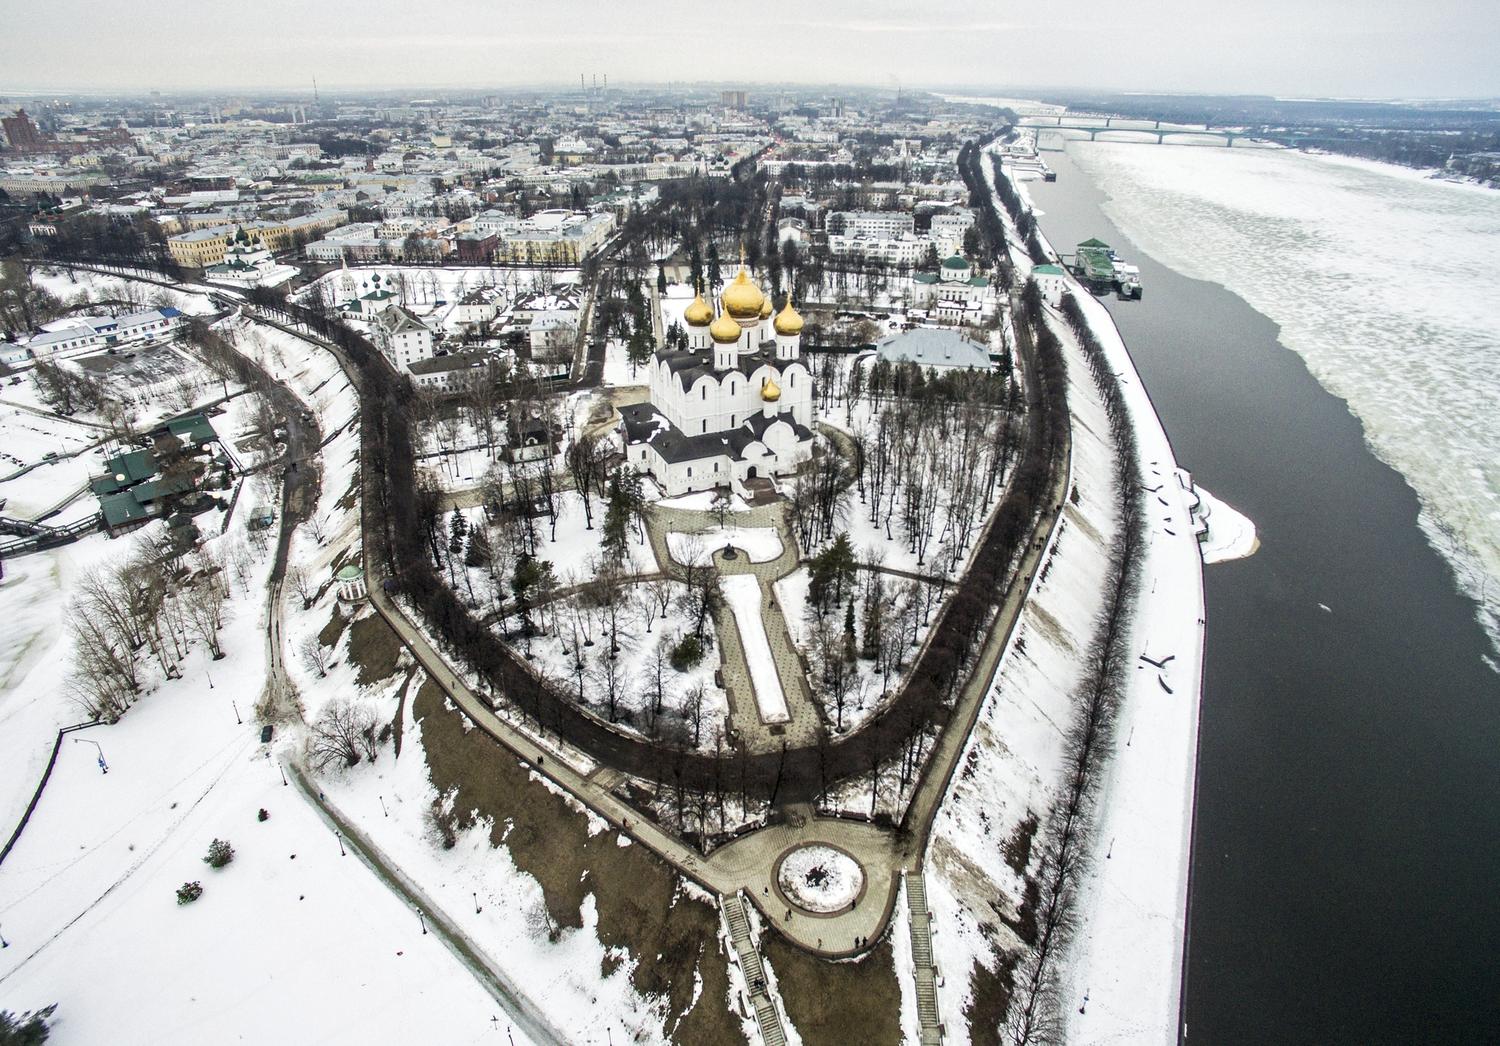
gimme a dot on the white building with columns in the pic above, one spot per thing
(736, 405)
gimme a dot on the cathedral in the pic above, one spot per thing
(736, 405)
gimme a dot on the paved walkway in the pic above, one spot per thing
(805, 725)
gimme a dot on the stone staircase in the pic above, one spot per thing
(921, 953)
(766, 1014)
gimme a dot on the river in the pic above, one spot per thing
(1346, 869)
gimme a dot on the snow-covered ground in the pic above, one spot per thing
(33, 659)
(820, 878)
(742, 594)
(1231, 534)
(762, 544)
(87, 897)
(987, 838)
(1133, 902)
(1318, 244)
(574, 643)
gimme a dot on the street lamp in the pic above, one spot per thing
(382, 806)
(236, 708)
(340, 838)
(477, 909)
(103, 766)
(3, 942)
(422, 919)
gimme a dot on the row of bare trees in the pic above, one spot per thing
(135, 618)
(1034, 1014)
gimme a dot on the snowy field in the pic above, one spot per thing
(1357, 264)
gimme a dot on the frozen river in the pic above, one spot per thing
(1379, 278)
(1321, 343)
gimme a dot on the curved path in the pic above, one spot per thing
(748, 864)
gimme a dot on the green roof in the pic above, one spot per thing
(350, 573)
(1047, 270)
(124, 471)
(122, 508)
(156, 488)
(1091, 242)
(955, 262)
(192, 428)
(925, 277)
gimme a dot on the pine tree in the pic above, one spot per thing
(25, 1029)
(695, 267)
(457, 528)
(478, 553)
(638, 348)
(219, 854)
(616, 518)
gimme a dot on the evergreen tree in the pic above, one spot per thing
(25, 1029)
(478, 553)
(715, 275)
(661, 279)
(832, 570)
(457, 528)
(219, 854)
(638, 349)
(695, 268)
(616, 518)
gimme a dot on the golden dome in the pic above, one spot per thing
(765, 309)
(698, 314)
(724, 330)
(770, 391)
(742, 299)
(787, 320)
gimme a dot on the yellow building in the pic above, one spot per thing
(201, 247)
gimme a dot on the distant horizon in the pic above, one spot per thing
(1021, 93)
(1291, 48)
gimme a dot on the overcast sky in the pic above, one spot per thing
(1367, 48)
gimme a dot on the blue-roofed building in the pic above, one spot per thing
(934, 348)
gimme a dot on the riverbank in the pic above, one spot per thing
(1348, 719)
(1122, 971)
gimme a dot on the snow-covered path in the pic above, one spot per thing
(742, 593)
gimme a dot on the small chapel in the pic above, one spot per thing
(735, 406)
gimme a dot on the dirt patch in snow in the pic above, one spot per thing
(1018, 846)
(332, 631)
(671, 936)
(374, 649)
(838, 1002)
(989, 998)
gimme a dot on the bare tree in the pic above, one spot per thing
(314, 654)
(343, 733)
(302, 584)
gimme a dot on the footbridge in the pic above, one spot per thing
(1090, 128)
